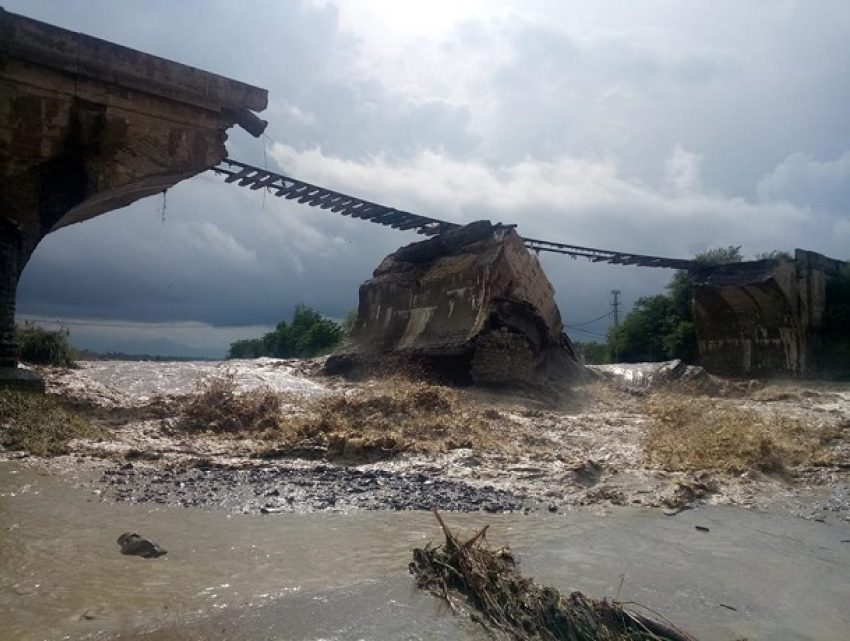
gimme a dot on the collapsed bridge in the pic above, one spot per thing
(754, 318)
(305, 193)
(88, 126)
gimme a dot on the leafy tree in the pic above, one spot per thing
(247, 348)
(308, 334)
(349, 320)
(720, 255)
(681, 341)
(776, 254)
(640, 337)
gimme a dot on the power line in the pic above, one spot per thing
(584, 331)
(606, 315)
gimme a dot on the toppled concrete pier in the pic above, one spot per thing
(88, 126)
(471, 306)
(774, 317)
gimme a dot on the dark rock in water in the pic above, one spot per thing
(132, 543)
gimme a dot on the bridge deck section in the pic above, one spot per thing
(306, 193)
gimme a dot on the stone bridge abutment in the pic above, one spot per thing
(88, 126)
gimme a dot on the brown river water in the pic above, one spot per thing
(720, 572)
(61, 574)
(342, 576)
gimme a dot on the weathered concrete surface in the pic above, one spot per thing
(88, 126)
(768, 317)
(472, 305)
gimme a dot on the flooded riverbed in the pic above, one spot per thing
(138, 381)
(62, 573)
(289, 548)
(342, 576)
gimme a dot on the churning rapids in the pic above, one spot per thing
(285, 547)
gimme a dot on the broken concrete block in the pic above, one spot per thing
(470, 306)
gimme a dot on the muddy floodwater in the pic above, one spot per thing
(287, 547)
(341, 576)
(63, 576)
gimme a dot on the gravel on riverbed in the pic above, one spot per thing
(289, 489)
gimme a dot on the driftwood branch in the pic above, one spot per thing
(506, 601)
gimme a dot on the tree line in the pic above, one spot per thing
(308, 334)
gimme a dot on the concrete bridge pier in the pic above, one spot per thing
(9, 272)
(88, 126)
(10, 268)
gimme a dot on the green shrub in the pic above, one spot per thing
(41, 346)
(307, 335)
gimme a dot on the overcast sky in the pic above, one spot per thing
(658, 127)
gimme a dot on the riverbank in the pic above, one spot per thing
(400, 445)
(317, 510)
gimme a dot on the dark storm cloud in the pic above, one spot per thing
(294, 49)
(215, 257)
(745, 85)
(358, 119)
(279, 44)
(590, 97)
(628, 126)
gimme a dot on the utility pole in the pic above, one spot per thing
(615, 306)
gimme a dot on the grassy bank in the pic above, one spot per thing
(38, 424)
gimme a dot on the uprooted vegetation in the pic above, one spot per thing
(399, 416)
(217, 407)
(509, 603)
(375, 422)
(688, 433)
(38, 424)
(685, 431)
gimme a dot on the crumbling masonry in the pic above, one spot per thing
(472, 306)
(774, 317)
(88, 126)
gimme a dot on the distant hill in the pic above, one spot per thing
(142, 349)
(87, 355)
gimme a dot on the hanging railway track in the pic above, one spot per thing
(282, 186)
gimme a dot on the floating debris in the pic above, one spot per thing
(508, 603)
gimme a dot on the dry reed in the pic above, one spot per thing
(38, 424)
(688, 433)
